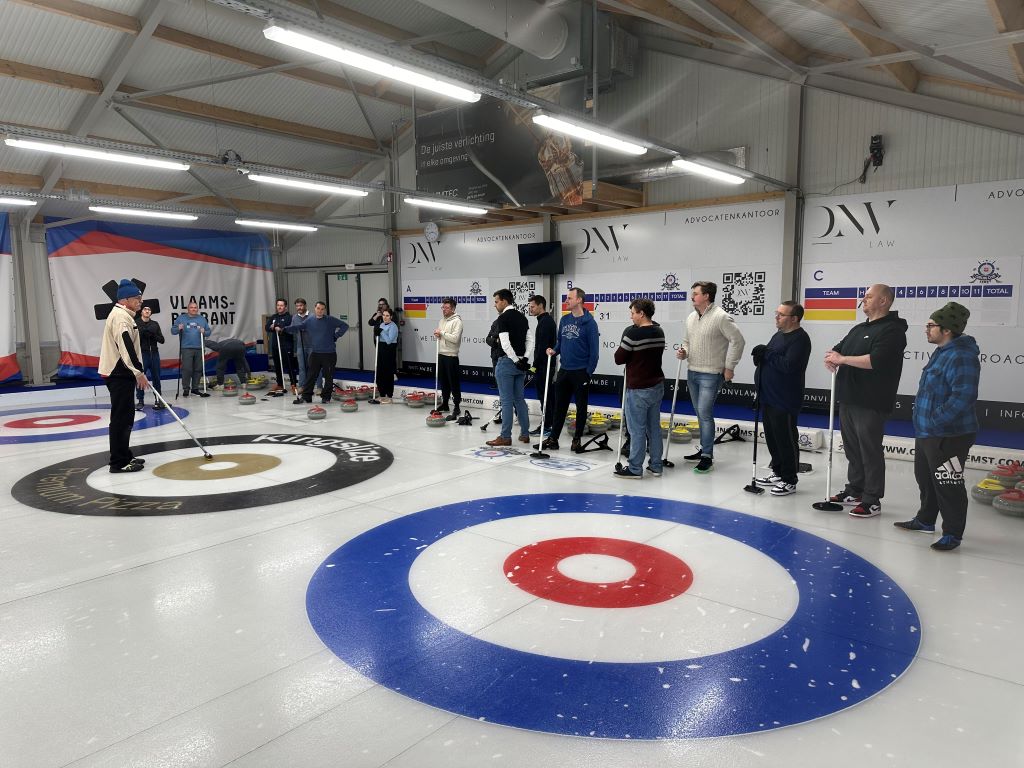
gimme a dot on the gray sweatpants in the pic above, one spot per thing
(191, 370)
(862, 430)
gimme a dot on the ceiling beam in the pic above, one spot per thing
(902, 72)
(1009, 17)
(745, 21)
(130, 25)
(662, 11)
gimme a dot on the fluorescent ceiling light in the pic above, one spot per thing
(331, 189)
(95, 154)
(423, 202)
(704, 170)
(590, 134)
(142, 213)
(275, 225)
(350, 58)
(16, 201)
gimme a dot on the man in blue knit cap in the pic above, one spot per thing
(945, 424)
(324, 331)
(578, 344)
(121, 366)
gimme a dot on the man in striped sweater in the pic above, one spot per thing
(640, 350)
(713, 345)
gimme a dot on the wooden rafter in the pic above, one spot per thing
(130, 25)
(747, 16)
(664, 10)
(1009, 17)
(903, 72)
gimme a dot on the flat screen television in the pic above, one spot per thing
(541, 258)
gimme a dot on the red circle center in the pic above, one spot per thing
(659, 576)
(51, 422)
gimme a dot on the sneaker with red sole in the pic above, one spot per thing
(845, 498)
(866, 510)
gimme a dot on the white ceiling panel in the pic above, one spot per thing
(42, 39)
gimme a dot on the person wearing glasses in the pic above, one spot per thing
(781, 365)
(712, 347)
(868, 364)
(945, 424)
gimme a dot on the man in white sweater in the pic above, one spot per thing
(449, 336)
(713, 345)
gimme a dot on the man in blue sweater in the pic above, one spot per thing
(945, 424)
(191, 327)
(779, 378)
(578, 344)
(323, 331)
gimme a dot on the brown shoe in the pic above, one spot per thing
(524, 438)
(498, 442)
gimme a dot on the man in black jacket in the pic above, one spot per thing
(544, 339)
(511, 350)
(149, 336)
(779, 377)
(281, 345)
(868, 364)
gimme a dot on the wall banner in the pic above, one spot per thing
(468, 266)
(659, 256)
(934, 245)
(9, 370)
(228, 274)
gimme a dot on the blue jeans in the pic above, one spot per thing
(703, 393)
(511, 384)
(643, 420)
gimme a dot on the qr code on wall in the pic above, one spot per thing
(743, 294)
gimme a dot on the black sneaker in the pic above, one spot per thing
(455, 417)
(770, 479)
(653, 471)
(442, 408)
(946, 543)
(550, 445)
(203, 394)
(140, 462)
(576, 447)
(129, 467)
(626, 474)
(159, 406)
(705, 465)
(535, 431)
(915, 525)
(694, 456)
(184, 393)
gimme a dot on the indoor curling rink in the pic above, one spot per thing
(364, 590)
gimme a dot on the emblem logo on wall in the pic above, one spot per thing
(987, 272)
(670, 283)
(475, 289)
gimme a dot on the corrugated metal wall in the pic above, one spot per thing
(335, 247)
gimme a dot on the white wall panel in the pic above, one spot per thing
(335, 247)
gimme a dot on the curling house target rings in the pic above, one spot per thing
(67, 422)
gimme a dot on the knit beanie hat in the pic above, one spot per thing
(126, 289)
(952, 316)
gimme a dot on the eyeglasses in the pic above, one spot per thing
(783, 314)
(929, 326)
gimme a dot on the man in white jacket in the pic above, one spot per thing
(713, 345)
(449, 336)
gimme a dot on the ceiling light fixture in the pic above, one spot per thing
(143, 213)
(592, 135)
(275, 225)
(316, 186)
(704, 170)
(75, 150)
(454, 207)
(16, 201)
(329, 50)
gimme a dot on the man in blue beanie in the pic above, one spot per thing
(121, 366)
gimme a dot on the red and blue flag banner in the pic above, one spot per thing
(228, 274)
(9, 370)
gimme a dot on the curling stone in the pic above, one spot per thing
(987, 490)
(1010, 503)
(598, 424)
(349, 405)
(346, 394)
(257, 382)
(614, 421)
(230, 390)
(1005, 476)
(416, 400)
(436, 419)
(680, 434)
(246, 399)
(363, 393)
(664, 429)
(316, 413)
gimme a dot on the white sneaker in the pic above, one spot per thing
(782, 489)
(770, 479)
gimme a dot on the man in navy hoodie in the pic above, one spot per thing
(945, 424)
(324, 331)
(578, 344)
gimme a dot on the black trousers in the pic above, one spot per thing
(939, 470)
(783, 443)
(540, 383)
(862, 430)
(448, 379)
(320, 363)
(569, 384)
(289, 360)
(122, 418)
(386, 366)
(241, 367)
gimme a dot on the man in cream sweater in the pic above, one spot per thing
(713, 346)
(449, 336)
